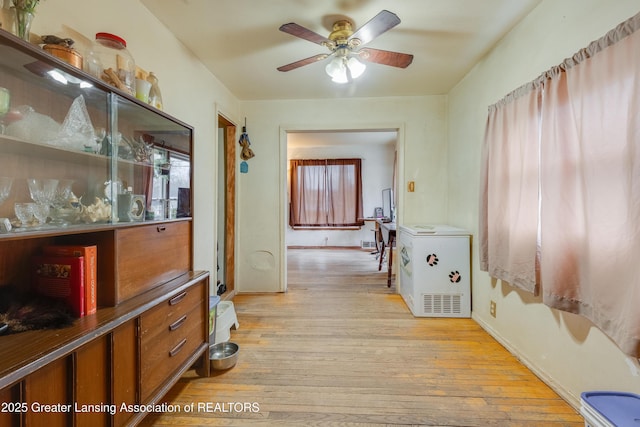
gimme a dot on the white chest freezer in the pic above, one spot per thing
(435, 270)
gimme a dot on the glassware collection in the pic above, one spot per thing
(53, 204)
(74, 151)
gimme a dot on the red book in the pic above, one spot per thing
(62, 278)
(90, 255)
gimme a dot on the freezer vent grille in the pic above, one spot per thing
(367, 245)
(442, 303)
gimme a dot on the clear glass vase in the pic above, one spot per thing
(23, 20)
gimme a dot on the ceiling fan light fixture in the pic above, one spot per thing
(335, 67)
(340, 79)
(355, 67)
(341, 69)
(337, 70)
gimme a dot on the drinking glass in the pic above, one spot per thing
(41, 212)
(100, 135)
(24, 212)
(43, 191)
(5, 188)
(62, 211)
(63, 192)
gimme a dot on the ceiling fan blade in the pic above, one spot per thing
(303, 33)
(385, 57)
(303, 62)
(382, 22)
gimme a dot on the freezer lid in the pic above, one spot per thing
(433, 229)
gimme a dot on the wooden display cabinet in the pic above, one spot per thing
(124, 175)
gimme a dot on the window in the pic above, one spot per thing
(326, 193)
(170, 176)
(561, 183)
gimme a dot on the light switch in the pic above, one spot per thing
(411, 187)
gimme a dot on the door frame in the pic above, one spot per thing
(230, 203)
(284, 191)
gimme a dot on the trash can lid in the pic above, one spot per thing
(619, 408)
(213, 301)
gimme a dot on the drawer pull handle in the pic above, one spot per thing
(161, 228)
(177, 348)
(175, 325)
(175, 300)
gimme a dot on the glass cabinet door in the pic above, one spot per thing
(76, 152)
(152, 164)
(49, 151)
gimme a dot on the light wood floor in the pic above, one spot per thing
(341, 349)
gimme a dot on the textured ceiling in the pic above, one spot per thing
(239, 41)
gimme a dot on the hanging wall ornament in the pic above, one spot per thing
(246, 152)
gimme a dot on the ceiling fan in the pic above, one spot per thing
(346, 47)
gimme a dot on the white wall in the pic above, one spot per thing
(377, 173)
(190, 92)
(422, 139)
(563, 348)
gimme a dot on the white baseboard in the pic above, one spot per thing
(565, 394)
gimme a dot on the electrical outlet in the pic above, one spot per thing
(492, 308)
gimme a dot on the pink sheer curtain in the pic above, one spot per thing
(590, 186)
(560, 196)
(509, 189)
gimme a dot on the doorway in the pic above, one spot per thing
(226, 205)
(377, 147)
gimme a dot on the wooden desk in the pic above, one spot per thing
(390, 227)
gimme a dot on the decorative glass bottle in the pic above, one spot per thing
(110, 61)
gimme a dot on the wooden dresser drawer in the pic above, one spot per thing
(167, 316)
(169, 334)
(150, 255)
(162, 357)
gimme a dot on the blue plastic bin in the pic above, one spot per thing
(610, 409)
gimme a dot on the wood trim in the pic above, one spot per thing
(230, 151)
(230, 206)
